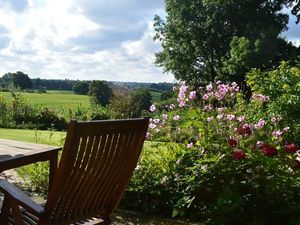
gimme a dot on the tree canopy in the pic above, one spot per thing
(100, 92)
(81, 87)
(205, 40)
(17, 79)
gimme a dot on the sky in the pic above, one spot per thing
(85, 40)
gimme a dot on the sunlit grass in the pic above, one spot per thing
(54, 99)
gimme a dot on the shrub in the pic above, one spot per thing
(48, 119)
(119, 106)
(282, 85)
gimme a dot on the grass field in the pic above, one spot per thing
(35, 136)
(155, 96)
(60, 99)
(54, 99)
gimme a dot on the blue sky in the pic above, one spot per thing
(79, 39)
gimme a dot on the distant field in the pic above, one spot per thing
(54, 99)
(60, 99)
(155, 96)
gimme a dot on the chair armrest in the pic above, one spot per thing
(22, 199)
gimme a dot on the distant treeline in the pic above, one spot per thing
(66, 84)
(23, 81)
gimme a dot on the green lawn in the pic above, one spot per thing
(54, 99)
(35, 136)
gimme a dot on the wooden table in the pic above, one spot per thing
(17, 153)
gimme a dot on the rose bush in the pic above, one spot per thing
(238, 163)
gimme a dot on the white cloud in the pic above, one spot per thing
(63, 39)
(110, 40)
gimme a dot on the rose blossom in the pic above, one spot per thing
(232, 142)
(238, 154)
(244, 130)
(268, 150)
(290, 148)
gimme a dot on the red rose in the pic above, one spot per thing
(290, 148)
(244, 130)
(269, 151)
(232, 142)
(238, 155)
(264, 145)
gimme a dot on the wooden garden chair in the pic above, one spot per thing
(97, 162)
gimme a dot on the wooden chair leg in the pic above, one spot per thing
(16, 214)
(107, 221)
(5, 210)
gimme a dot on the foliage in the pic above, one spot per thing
(100, 92)
(119, 106)
(35, 177)
(47, 119)
(16, 112)
(283, 87)
(166, 95)
(150, 181)
(237, 163)
(81, 88)
(17, 79)
(129, 104)
(140, 101)
(53, 84)
(208, 40)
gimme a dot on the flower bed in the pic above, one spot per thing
(238, 162)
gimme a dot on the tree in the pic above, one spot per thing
(207, 40)
(129, 104)
(81, 88)
(18, 79)
(100, 92)
(140, 100)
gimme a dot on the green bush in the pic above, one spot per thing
(47, 118)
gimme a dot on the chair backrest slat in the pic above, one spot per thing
(97, 162)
